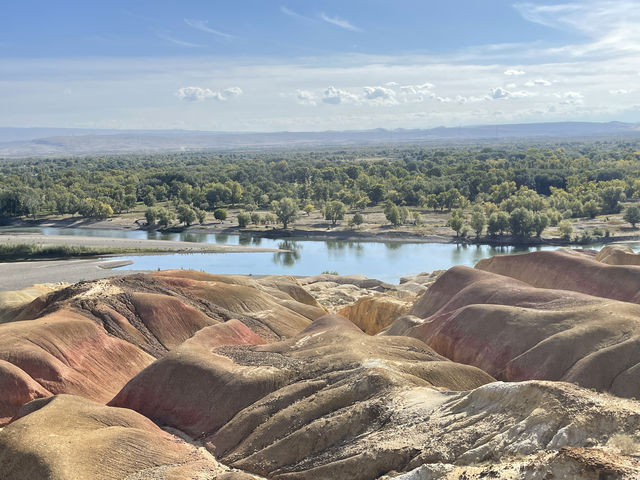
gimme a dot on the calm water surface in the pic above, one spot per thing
(384, 260)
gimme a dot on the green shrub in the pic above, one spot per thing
(566, 229)
(632, 215)
(356, 220)
(220, 214)
(586, 237)
(243, 219)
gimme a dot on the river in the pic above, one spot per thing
(387, 261)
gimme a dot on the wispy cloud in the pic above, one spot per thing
(339, 22)
(541, 82)
(612, 26)
(203, 26)
(291, 13)
(177, 41)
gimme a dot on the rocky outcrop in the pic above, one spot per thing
(338, 291)
(213, 384)
(204, 387)
(517, 332)
(91, 338)
(566, 270)
(374, 313)
(584, 463)
(272, 310)
(384, 428)
(618, 255)
(401, 429)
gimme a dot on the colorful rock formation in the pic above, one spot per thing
(566, 270)
(518, 332)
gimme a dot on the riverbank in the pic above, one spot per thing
(308, 230)
(27, 246)
(302, 230)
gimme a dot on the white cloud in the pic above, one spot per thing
(538, 82)
(305, 97)
(380, 96)
(570, 98)
(418, 89)
(500, 93)
(471, 99)
(620, 91)
(339, 22)
(232, 92)
(198, 94)
(203, 26)
(336, 96)
(194, 94)
(514, 72)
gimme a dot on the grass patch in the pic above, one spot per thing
(23, 251)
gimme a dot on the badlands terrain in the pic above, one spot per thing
(526, 366)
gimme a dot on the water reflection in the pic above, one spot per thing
(337, 249)
(222, 238)
(291, 256)
(458, 253)
(193, 237)
(244, 240)
(335, 245)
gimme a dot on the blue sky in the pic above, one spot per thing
(314, 65)
(261, 28)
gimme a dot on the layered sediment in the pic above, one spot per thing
(527, 366)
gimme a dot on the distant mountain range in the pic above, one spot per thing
(24, 142)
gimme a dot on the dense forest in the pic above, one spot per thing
(489, 185)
